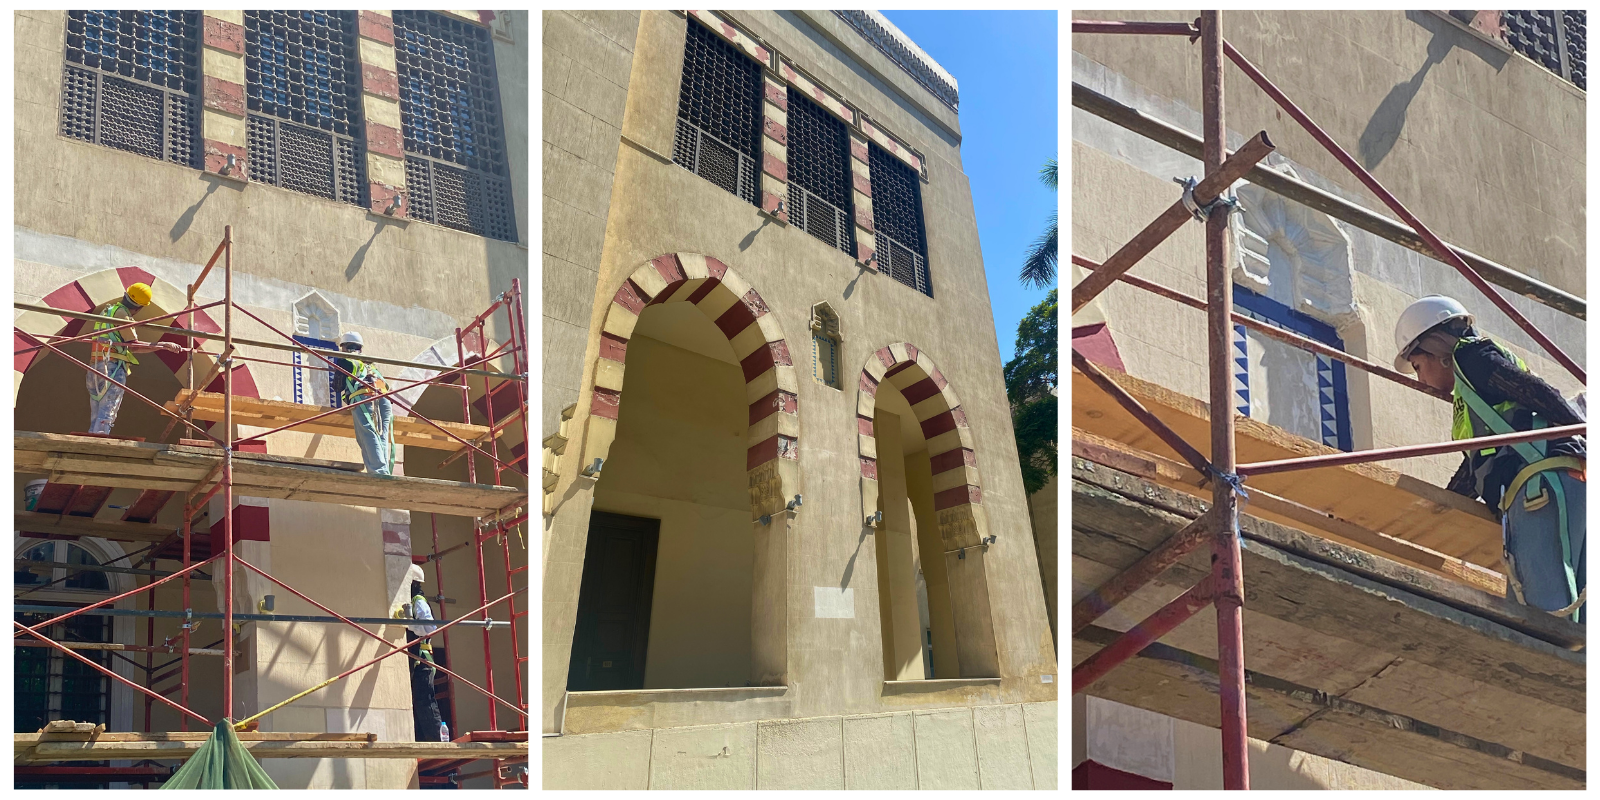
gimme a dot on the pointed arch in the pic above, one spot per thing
(96, 289)
(957, 490)
(737, 309)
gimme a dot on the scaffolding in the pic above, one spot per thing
(215, 465)
(1205, 201)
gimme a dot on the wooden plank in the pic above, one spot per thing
(1371, 496)
(1179, 475)
(1289, 576)
(51, 524)
(276, 413)
(101, 751)
(30, 739)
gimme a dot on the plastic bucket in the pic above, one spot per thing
(31, 492)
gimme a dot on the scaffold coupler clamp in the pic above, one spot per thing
(188, 619)
(1225, 202)
(1234, 480)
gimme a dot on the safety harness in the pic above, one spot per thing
(103, 346)
(367, 381)
(1474, 417)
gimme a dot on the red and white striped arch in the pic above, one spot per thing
(957, 491)
(771, 389)
(96, 289)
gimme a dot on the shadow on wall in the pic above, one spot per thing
(1384, 127)
(185, 220)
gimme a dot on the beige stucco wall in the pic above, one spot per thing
(1010, 746)
(834, 664)
(1454, 126)
(1042, 512)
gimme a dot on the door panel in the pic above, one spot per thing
(613, 626)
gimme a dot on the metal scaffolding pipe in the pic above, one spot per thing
(1305, 194)
(1140, 636)
(1440, 249)
(1170, 220)
(1147, 28)
(1226, 576)
(238, 617)
(1132, 405)
(1287, 337)
(1408, 451)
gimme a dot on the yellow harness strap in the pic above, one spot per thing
(1556, 462)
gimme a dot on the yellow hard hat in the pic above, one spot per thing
(139, 293)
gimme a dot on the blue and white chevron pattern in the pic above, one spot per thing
(1327, 401)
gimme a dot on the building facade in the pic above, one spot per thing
(1474, 120)
(372, 167)
(791, 549)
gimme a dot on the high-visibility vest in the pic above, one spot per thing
(367, 381)
(1464, 424)
(112, 345)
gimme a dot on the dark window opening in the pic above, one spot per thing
(613, 625)
(457, 172)
(303, 86)
(719, 114)
(819, 174)
(130, 81)
(897, 220)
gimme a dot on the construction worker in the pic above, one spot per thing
(374, 420)
(425, 716)
(111, 356)
(1535, 489)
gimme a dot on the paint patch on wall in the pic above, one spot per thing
(835, 603)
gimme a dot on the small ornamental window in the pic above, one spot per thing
(303, 87)
(825, 345)
(457, 170)
(719, 113)
(130, 82)
(819, 173)
(897, 220)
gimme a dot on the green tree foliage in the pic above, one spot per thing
(1039, 269)
(1031, 379)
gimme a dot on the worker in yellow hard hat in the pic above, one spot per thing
(111, 356)
(1536, 489)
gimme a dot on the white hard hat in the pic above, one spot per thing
(414, 574)
(351, 338)
(1419, 318)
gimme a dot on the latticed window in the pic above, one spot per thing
(897, 220)
(130, 81)
(825, 345)
(1554, 39)
(819, 173)
(719, 113)
(303, 83)
(455, 142)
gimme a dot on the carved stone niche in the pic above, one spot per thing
(1293, 254)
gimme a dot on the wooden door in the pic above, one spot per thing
(613, 626)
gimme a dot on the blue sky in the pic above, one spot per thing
(1005, 65)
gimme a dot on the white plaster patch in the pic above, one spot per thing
(835, 603)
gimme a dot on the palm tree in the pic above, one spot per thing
(1040, 267)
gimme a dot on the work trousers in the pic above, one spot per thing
(105, 397)
(375, 434)
(1533, 546)
(424, 706)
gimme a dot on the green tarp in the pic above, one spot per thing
(221, 763)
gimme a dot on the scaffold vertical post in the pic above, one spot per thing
(188, 537)
(1225, 573)
(227, 478)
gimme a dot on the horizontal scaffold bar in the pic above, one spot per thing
(181, 750)
(288, 348)
(142, 612)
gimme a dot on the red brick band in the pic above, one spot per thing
(953, 459)
(605, 403)
(958, 496)
(222, 35)
(776, 402)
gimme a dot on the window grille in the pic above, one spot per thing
(1553, 39)
(819, 173)
(897, 220)
(303, 87)
(457, 173)
(719, 113)
(130, 81)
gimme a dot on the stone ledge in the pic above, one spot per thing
(935, 685)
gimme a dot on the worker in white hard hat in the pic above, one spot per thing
(425, 717)
(374, 421)
(1535, 489)
(111, 356)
